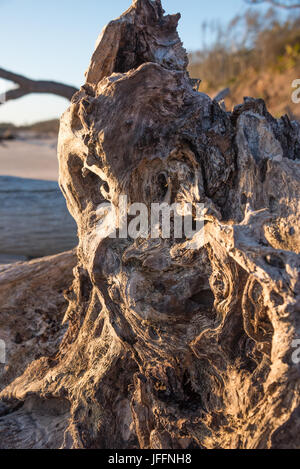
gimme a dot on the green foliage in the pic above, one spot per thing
(289, 59)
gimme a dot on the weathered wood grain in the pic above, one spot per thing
(31, 323)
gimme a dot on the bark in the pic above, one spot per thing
(168, 346)
(28, 86)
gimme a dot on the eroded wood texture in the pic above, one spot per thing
(32, 307)
(169, 347)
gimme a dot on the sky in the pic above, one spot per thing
(54, 40)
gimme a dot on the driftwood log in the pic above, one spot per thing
(27, 86)
(169, 347)
(34, 220)
(30, 324)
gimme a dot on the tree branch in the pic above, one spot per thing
(288, 5)
(27, 86)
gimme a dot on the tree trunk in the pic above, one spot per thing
(172, 343)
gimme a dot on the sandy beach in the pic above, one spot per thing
(30, 157)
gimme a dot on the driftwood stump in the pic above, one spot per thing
(169, 347)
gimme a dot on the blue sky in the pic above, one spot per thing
(55, 39)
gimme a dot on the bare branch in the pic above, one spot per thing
(27, 86)
(222, 95)
(288, 5)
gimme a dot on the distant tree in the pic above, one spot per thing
(28, 86)
(287, 4)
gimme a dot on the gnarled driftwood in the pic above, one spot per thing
(167, 346)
